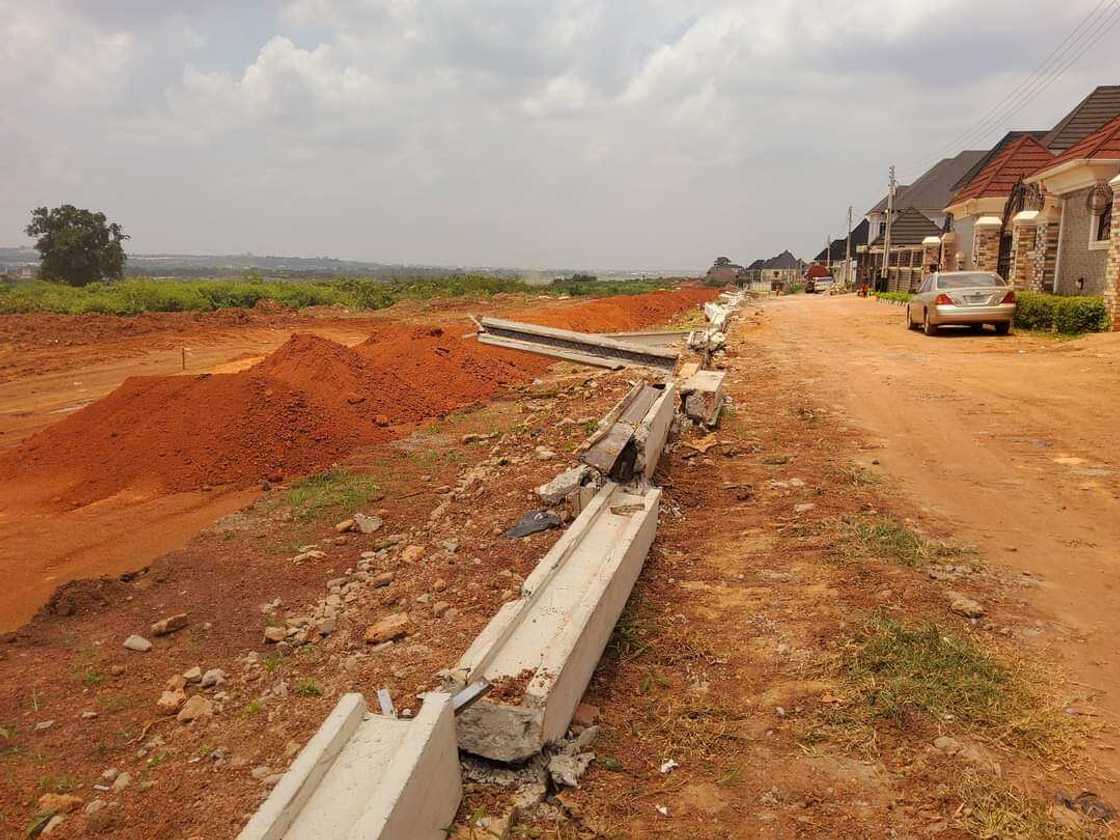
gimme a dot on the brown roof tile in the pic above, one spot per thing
(1104, 143)
(1022, 157)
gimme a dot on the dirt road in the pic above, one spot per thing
(1010, 441)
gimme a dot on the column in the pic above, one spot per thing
(949, 250)
(985, 244)
(1112, 267)
(931, 255)
(1023, 228)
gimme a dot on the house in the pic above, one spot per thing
(915, 250)
(753, 272)
(929, 195)
(723, 271)
(784, 268)
(987, 195)
(1078, 190)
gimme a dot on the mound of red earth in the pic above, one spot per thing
(304, 407)
(624, 313)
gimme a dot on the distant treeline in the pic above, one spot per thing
(134, 295)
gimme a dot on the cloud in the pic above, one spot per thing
(646, 133)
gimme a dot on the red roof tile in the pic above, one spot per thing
(1022, 157)
(1101, 144)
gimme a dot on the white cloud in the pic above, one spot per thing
(593, 132)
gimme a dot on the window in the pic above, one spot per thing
(1102, 224)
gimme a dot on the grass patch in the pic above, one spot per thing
(309, 688)
(897, 673)
(331, 490)
(144, 294)
(888, 539)
(995, 809)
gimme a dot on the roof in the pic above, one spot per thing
(783, 260)
(993, 152)
(933, 190)
(839, 247)
(1021, 158)
(756, 265)
(910, 228)
(1104, 143)
(816, 270)
(1090, 115)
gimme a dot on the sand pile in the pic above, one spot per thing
(304, 407)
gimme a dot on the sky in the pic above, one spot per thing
(598, 134)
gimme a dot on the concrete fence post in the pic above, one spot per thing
(985, 243)
(1112, 266)
(1022, 250)
(931, 255)
(949, 250)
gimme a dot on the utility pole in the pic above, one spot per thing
(848, 277)
(884, 272)
(828, 251)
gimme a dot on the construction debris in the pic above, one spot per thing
(702, 395)
(545, 645)
(533, 522)
(373, 777)
(573, 346)
(629, 440)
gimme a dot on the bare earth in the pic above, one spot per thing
(1009, 442)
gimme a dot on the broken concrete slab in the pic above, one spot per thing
(565, 484)
(630, 438)
(573, 346)
(555, 632)
(703, 396)
(367, 776)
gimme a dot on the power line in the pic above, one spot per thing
(1088, 32)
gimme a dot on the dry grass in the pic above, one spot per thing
(993, 809)
(888, 539)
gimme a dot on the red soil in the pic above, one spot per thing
(304, 407)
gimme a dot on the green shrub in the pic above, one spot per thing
(1068, 314)
(894, 297)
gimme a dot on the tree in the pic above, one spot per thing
(76, 246)
(723, 261)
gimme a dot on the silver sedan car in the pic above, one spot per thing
(964, 298)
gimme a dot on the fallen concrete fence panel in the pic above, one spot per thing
(566, 343)
(368, 777)
(540, 651)
(630, 438)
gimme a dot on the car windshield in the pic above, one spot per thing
(969, 279)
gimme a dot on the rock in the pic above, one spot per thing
(451, 614)
(412, 553)
(94, 806)
(213, 678)
(383, 579)
(138, 644)
(381, 420)
(193, 675)
(116, 670)
(440, 608)
(327, 626)
(563, 485)
(586, 715)
(804, 508)
(261, 772)
(59, 803)
(275, 634)
(195, 708)
(567, 769)
(964, 606)
(44, 725)
(176, 683)
(171, 701)
(121, 782)
(53, 823)
(390, 628)
(166, 626)
(439, 585)
(344, 526)
(110, 774)
(543, 453)
(313, 554)
(367, 523)
(89, 715)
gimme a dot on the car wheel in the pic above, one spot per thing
(909, 320)
(928, 327)
(976, 328)
(1003, 328)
